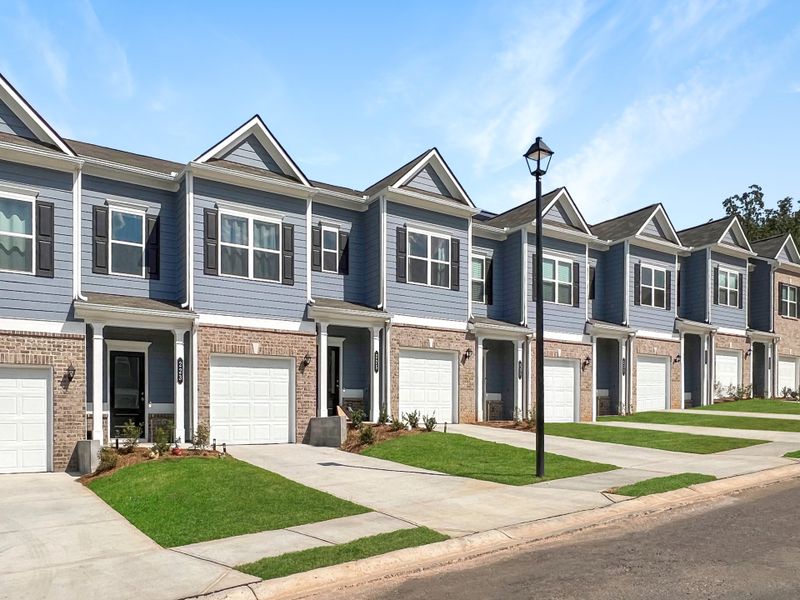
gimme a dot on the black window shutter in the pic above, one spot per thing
(45, 228)
(592, 275)
(781, 312)
(400, 264)
(100, 239)
(678, 290)
(287, 254)
(576, 284)
(316, 248)
(152, 251)
(344, 252)
(668, 292)
(489, 281)
(210, 241)
(741, 290)
(533, 277)
(637, 284)
(716, 285)
(455, 264)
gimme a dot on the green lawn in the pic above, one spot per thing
(179, 502)
(465, 456)
(647, 438)
(324, 556)
(757, 406)
(710, 420)
(662, 484)
(795, 454)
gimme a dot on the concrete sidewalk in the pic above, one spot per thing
(58, 540)
(738, 413)
(786, 437)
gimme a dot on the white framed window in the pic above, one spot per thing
(478, 273)
(653, 287)
(789, 301)
(249, 246)
(17, 228)
(728, 288)
(556, 280)
(127, 237)
(330, 249)
(428, 257)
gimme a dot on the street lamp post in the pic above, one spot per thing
(538, 159)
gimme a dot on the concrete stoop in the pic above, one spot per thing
(421, 558)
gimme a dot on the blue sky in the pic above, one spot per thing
(679, 102)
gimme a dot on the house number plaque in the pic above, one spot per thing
(179, 370)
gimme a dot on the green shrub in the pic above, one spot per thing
(383, 418)
(412, 419)
(366, 435)
(200, 437)
(131, 432)
(429, 422)
(396, 424)
(357, 417)
(108, 459)
(161, 440)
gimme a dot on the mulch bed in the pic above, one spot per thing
(518, 426)
(382, 434)
(140, 455)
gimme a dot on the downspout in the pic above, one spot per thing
(468, 267)
(309, 218)
(383, 258)
(77, 247)
(189, 245)
(524, 297)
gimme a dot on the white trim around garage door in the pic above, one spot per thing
(48, 373)
(452, 355)
(574, 364)
(652, 359)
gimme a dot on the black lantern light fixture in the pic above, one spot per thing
(70, 372)
(538, 158)
(467, 353)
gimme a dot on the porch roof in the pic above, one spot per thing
(687, 325)
(331, 309)
(597, 327)
(488, 326)
(143, 312)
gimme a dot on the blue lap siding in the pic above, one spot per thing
(648, 317)
(352, 286)
(728, 316)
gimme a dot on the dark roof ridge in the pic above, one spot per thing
(711, 222)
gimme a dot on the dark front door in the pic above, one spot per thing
(334, 356)
(127, 390)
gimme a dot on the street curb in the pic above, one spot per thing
(411, 560)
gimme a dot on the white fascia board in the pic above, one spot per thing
(131, 317)
(574, 338)
(498, 332)
(435, 159)
(255, 323)
(426, 322)
(406, 196)
(30, 117)
(731, 331)
(346, 318)
(340, 200)
(659, 245)
(119, 172)
(34, 326)
(571, 207)
(38, 157)
(249, 180)
(257, 127)
(739, 228)
(657, 335)
(659, 211)
(487, 231)
(794, 251)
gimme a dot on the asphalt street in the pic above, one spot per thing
(742, 546)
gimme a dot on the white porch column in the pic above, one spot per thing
(180, 375)
(594, 378)
(518, 383)
(97, 382)
(704, 371)
(322, 370)
(682, 367)
(622, 391)
(375, 374)
(479, 379)
(193, 394)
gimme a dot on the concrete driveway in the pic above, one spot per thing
(58, 540)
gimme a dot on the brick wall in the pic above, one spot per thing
(645, 346)
(576, 352)
(740, 343)
(786, 327)
(56, 351)
(423, 338)
(259, 342)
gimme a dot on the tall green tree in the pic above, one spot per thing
(757, 220)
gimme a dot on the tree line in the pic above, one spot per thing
(759, 221)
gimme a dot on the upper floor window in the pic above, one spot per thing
(428, 259)
(479, 279)
(250, 247)
(330, 249)
(16, 235)
(557, 280)
(728, 288)
(653, 287)
(127, 242)
(788, 306)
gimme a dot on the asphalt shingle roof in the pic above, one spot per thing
(705, 234)
(769, 247)
(122, 157)
(524, 213)
(623, 226)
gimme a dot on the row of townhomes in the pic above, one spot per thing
(235, 292)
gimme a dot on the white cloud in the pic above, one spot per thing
(36, 36)
(108, 52)
(163, 99)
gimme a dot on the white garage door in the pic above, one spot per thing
(726, 371)
(426, 383)
(787, 374)
(651, 383)
(24, 407)
(560, 390)
(251, 400)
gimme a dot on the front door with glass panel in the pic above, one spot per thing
(127, 390)
(334, 385)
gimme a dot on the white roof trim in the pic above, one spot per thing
(30, 117)
(256, 127)
(741, 231)
(794, 250)
(659, 211)
(437, 162)
(571, 208)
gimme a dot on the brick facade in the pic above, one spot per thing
(423, 338)
(739, 343)
(56, 351)
(786, 327)
(573, 351)
(258, 342)
(665, 348)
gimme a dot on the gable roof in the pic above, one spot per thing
(30, 118)
(633, 225)
(122, 157)
(558, 200)
(408, 172)
(713, 232)
(524, 213)
(257, 128)
(772, 246)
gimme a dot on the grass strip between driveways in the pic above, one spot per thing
(711, 420)
(657, 485)
(795, 454)
(756, 405)
(648, 438)
(464, 456)
(187, 500)
(324, 556)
